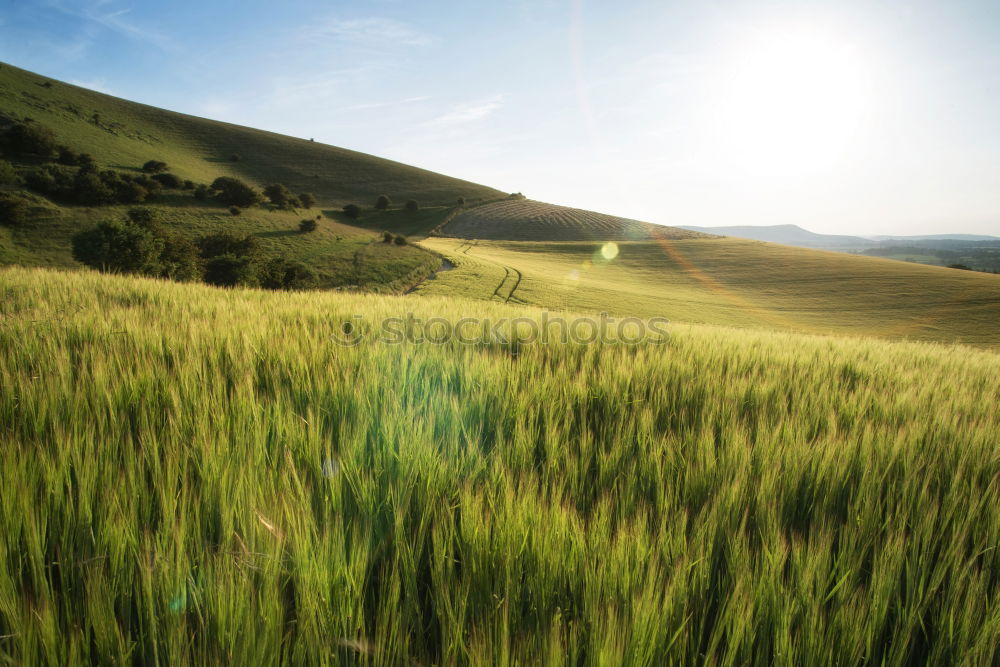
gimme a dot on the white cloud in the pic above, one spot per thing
(373, 32)
(468, 113)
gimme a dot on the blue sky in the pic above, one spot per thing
(854, 116)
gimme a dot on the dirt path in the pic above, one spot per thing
(446, 265)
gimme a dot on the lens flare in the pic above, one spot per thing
(609, 251)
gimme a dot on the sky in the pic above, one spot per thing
(844, 117)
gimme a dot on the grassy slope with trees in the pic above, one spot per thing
(122, 136)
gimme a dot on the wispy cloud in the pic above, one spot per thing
(374, 31)
(103, 13)
(468, 113)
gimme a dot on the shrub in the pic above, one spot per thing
(201, 192)
(460, 201)
(132, 193)
(31, 139)
(8, 175)
(188, 184)
(308, 225)
(215, 245)
(235, 157)
(67, 156)
(145, 217)
(352, 211)
(231, 271)
(280, 196)
(89, 189)
(86, 161)
(14, 210)
(963, 267)
(412, 205)
(280, 273)
(386, 237)
(234, 192)
(179, 259)
(400, 240)
(235, 210)
(307, 199)
(168, 181)
(154, 167)
(383, 202)
(119, 247)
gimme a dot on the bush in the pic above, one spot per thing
(132, 193)
(352, 211)
(86, 161)
(231, 271)
(67, 156)
(234, 192)
(307, 199)
(154, 167)
(201, 192)
(235, 157)
(31, 139)
(460, 201)
(280, 273)
(215, 245)
(412, 205)
(169, 181)
(8, 175)
(400, 240)
(89, 189)
(188, 184)
(235, 210)
(145, 217)
(119, 247)
(179, 259)
(308, 225)
(963, 267)
(386, 237)
(14, 210)
(383, 202)
(280, 196)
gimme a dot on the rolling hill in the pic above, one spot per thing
(788, 235)
(526, 220)
(731, 282)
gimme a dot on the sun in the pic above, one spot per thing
(785, 103)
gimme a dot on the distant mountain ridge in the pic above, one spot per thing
(797, 236)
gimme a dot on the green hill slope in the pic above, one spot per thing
(127, 134)
(526, 220)
(198, 476)
(730, 282)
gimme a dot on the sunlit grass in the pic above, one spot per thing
(193, 475)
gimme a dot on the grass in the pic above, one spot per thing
(730, 282)
(526, 220)
(200, 475)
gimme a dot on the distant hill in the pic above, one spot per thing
(788, 235)
(527, 220)
(939, 237)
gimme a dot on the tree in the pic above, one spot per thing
(308, 225)
(31, 139)
(412, 205)
(352, 211)
(89, 189)
(8, 175)
(234, 192)
(400, 240)
(231, 271)
(386, 237)
(14, 210)
(279, 273)
(119, 247)
(179, 259)
(169, 181)
(223, 243)
(383, 202)
(145, 217)
(201, 192)
(280, 196)
(154, 167)
(307, 199)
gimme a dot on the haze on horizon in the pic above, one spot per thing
(849, 117)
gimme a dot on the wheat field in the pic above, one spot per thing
(201, 475)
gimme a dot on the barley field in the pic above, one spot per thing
(199, 475)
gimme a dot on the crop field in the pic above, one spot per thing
(525, 220)
(731, 282)
(190, 474)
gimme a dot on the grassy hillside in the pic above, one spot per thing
(126, 134)
(526, 220)
(123, 135)
(730, 282)
(191, 475)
